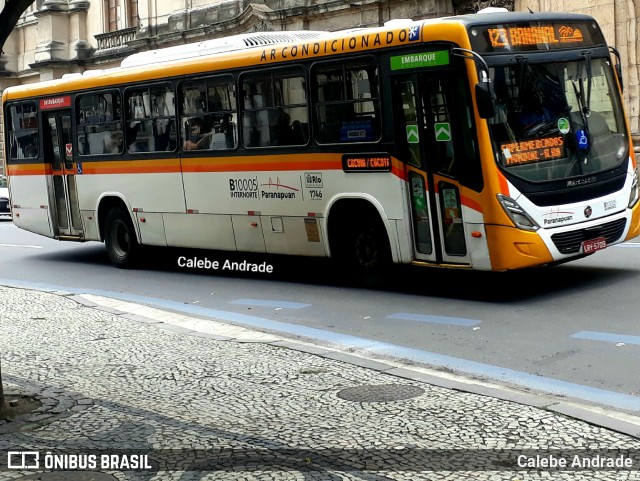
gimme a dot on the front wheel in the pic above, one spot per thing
(120, 239)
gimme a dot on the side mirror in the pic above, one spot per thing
(485, 99)
(619, 74)
(618, 67)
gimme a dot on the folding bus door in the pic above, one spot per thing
(59, 155)
(430, 136)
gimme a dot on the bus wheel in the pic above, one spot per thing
(367, 249)
(120, 239)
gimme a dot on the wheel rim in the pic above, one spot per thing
(121, 240)
(367, 254)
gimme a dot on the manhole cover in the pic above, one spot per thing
(379, 393)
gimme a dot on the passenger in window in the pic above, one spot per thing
(132, 134)
(28, 145)
(113, 143)
(199, 138)
(162, 135)
(284, 133)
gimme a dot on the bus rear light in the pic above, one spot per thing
(476, 234)
(517, 214)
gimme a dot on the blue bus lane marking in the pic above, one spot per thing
(370, 346)
(607, 337)
(270, 303)
(455, 321)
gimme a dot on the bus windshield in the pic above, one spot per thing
(557, 120)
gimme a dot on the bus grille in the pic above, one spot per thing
(570, 242)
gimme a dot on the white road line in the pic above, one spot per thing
(22, 245)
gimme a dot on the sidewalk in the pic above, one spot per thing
(200, 400)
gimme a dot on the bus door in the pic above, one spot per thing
(58, 152)
(430, 137)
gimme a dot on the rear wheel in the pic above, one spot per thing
(120, 239)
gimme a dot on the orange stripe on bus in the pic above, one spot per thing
(295, 162)
(232, 165)
(471, 204)
(132, 166)
(504, 186)
(28, 169)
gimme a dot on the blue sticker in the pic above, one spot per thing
(582, 140)
(79, 166)
(414, 33)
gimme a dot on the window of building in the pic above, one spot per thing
(150, 119)
(99, 118)
(208, 114)
(23, 131)
(111, 15)
(275, 109)
(132, 13)
(118, 10)
(347, 102)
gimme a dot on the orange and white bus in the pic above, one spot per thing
(489, 141)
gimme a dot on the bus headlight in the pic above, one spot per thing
(517, 214)
(633, 196)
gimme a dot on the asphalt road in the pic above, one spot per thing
(571, 330)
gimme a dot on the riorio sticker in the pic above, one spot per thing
(563, 125)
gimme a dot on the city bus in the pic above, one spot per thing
(490, 141)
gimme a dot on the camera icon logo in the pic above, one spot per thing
(23, 460)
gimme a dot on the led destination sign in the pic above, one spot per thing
(535, 36)
(523, 152)
(366, 163)
(523, 36)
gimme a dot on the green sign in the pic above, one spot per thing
(443, 131)
(417, 60)
(413, 136)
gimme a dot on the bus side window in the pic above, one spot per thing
(99, 123)
(275, 109)
(23, 131)
(151, 119)
(347, 103)
(213, 102)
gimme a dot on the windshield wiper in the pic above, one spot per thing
(522, 81)
(585, 103)
(587, 59)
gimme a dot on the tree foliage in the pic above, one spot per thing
(9, 17)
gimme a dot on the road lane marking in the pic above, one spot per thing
(270, 303)
(607, 337)
(22, 245)
(456, 321)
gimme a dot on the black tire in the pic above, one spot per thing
(365, 250)
(120, 239)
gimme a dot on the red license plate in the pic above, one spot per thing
(594, 245)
